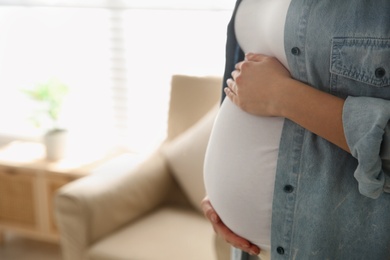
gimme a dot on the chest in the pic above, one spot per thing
(343, 49)
(259, 27)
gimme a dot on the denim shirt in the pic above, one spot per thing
(329, 204)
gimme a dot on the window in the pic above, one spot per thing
(117, 57)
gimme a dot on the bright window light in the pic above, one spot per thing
(117, 63)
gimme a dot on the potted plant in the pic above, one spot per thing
(50, 96)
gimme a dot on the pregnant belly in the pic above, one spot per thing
(239, 171)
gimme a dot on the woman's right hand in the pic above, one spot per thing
(223, 231)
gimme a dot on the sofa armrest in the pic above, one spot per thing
(94, 206)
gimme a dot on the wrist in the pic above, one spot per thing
(284, 97)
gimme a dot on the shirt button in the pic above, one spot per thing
(380, 72)
(280, 250)
(295, 51)
(288, 189)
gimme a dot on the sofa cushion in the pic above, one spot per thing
(191, 234)
(185, 156)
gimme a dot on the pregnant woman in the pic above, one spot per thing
(241, 159)
(296, 162)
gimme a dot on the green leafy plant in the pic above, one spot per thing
(50, 96)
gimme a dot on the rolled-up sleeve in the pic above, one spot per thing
(367, 130)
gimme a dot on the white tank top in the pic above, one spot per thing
(241, 158)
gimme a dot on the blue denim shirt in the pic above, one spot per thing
(329, 204)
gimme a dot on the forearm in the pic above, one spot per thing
(316, 111)
(262, 86)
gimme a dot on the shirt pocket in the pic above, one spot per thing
(360, 67)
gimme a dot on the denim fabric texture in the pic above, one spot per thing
(340, 203)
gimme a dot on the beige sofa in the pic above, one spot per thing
(151, 211)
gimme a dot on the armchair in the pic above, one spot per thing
(151, 211)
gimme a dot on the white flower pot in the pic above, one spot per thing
(55, 143)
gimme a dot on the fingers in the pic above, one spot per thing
(231, 84)
(254, 56)
(250, 57)
(235, 73)
(230, 94)
(209, 211)
(231, 90)
(223, 231)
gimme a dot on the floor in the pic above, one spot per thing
(18, 248)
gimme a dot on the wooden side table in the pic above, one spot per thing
(28, 183)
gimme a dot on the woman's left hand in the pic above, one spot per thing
(257, 83)
(224, 232)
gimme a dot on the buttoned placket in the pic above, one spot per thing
(287, 178)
